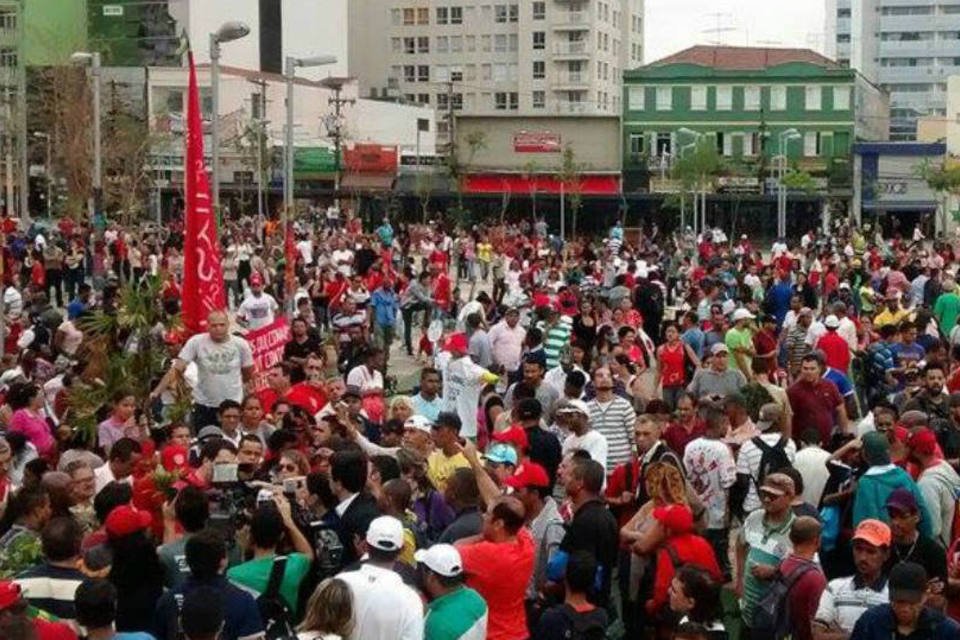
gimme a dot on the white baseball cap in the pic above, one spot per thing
(385, 533)
(574, 406)
(742, 314)
(831, 322)
(442, 559)
(417, 422)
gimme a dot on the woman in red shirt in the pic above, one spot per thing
(672, 356)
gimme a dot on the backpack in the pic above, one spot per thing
(327, 549)
(582, 627)
(771, 458)
(276, 615)
(771, 617)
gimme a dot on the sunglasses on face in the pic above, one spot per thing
(288, 467)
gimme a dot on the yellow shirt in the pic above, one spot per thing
(484, 252)
(885, 317)
(440, 467)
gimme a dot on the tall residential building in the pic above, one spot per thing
(908, 48)
(529, 58)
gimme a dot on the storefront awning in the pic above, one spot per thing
(590, 185)
(433, 183)
(366, 182)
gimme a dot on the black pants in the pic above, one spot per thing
(407, 313)
(54, 279)
(719, 539)
(72, 281)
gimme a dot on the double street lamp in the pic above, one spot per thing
(783, 140)
(228, 32)
(49, 170)
(93, 59)
(697, 136)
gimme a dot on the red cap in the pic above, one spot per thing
(174, 456)
(256, 280)
(173, 336)
(923, 441)
(676, 517)
(457, 342)
(530, 474)
(126, 519)
(9, 594)
(515, 435)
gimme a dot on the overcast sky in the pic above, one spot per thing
(673, 25)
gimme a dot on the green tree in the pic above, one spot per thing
(570, 175)
(944, 179)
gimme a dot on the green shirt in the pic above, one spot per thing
(739, 338)
(947, 309)
(766, 544)
(255, 574)
(459, 615)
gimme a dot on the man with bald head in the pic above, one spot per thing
(224, 366)
(498, 563)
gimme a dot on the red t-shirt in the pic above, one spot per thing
(804, 596)
(47, 630)
(677, 437)
(814, 405)
(624, 478)
(836, 351)
(690, 549)
(500, 572)
(671, 366)
(309, 398)
(442, 292)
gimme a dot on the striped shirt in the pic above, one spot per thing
(748, 463)
(765, 545)
(51, 589)
(555, 338)
(458, 615)
(615, 420)
(845, 599)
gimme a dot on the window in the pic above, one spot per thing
(500, 43)
(471, 72)
(409, 45)
(8, 20)
(778, 98)
(539, 69)
(396, 17)
(513, 42)
(485, 43)
(539, 10)
(636, 144)
(423, 15)
(443, 101)
(423, 73)
(514, 12)
(500, 101)
(456, 100)
(843, 38)
(409, 97)
(843, 13)
(443, 44)
(664, 98)
(471, 43)
(811, 144)
(396, 44)
(724, 98)
(636, 98)
(456, 15)
(456, 44)
(423, 44)
(456, 74)
(256, 106)
(443, 15)
(514, 101)
(500, 13)
(409, 16)
(841, 98)
(539, 40)
(441, 73)
(486, 71)
(751, 98)
(539, 99)
(814, 99)
(423, 98)
(698, 98)
(409, 73)
(500, 72)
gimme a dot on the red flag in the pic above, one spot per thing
(203, 289)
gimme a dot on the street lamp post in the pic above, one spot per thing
(49, 170)
(683, 196)
(93, 59)
(696, 135)
(228, 32)
(290, 70)
(783, 139)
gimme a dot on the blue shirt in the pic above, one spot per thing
(840, 380)
(694, 338)
(908, 353)
(429, 409)
(385, 305)
(779, 300)
(385, 233)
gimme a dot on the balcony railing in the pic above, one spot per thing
(571, 48)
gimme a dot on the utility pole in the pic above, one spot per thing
(337, 134)
(451, 132)
(261, 130)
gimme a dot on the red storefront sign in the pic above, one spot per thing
(590, 185)
(371, 158)
(536, 142)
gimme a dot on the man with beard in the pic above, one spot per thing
(932, 399)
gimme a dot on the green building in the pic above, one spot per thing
(742, 99)
(52, 30)
(133, 33)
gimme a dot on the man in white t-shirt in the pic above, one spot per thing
(462, 381)
(258, 309)
(574, 415)
(224, 366)
(771, 425)
(342, 258)
(384, 608)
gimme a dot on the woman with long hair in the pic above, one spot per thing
(329, 613)
(29, 418)
(428, 505)
(695, 597)
(136, 571)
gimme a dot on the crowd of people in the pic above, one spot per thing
(487, 433)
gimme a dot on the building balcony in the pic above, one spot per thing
(579, 50)
(568, 107)
(570, 82)
(572, 21)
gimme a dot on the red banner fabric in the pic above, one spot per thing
(267, 345)
(203, 289)
(290, 261)
(524, 185)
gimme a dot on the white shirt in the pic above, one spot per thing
(748, 463)
(13, 301)
(843, 603)
(345, 504)
(462, 381)
(712, 471)
(557, 378)
(383, 607)
(811, 462)
(103, 475)
(305, 247)
(593, 442)
(343, 256)
(219, 367)
(362, 377)
(258, 310)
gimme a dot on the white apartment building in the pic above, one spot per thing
(908, 47)
(527, 58)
